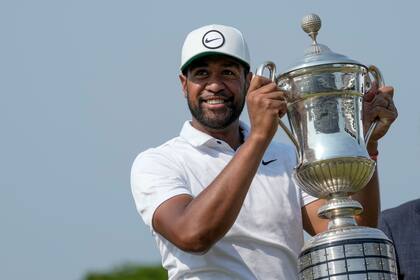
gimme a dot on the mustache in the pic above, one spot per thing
(221, 94)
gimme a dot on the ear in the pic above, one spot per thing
(183, 80)
(248, 79)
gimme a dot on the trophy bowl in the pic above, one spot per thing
(325, 115)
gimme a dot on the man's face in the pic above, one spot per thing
(215, 88)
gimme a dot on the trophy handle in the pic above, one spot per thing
(377, 76)
(271, 66)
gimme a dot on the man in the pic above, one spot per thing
(220, 198)
(402, 225)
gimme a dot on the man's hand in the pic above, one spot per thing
(378, 105)
(266, 104)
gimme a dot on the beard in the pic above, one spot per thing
(216, 120)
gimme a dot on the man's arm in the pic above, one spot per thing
(378, 105)
(195, 224)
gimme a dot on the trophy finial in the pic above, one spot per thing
(311, 24)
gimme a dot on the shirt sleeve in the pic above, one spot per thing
(306, 198)
(154, 179)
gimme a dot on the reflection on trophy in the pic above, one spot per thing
(324, 95)
(325, 115)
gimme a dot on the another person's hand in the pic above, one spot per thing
(378, 105)
(266, 104)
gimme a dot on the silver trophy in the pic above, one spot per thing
(324, 94)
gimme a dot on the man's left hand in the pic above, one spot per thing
(378, 105)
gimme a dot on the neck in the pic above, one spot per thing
(230, 134)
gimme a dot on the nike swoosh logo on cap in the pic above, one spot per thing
(268, 162)
(207, 40)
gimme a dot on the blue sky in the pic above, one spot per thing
(86, 85)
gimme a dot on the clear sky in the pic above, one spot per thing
(86, 85)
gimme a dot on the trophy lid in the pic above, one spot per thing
(318, 54)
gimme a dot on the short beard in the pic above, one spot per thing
(232, 115)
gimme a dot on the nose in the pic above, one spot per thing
(215, 84)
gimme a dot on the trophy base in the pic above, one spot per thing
(349, 253)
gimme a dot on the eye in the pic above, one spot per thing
(200, 73)
(230, 72)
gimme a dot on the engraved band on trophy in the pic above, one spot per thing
(324, 94)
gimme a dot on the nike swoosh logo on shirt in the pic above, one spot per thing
(267, 162)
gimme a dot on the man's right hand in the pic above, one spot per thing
(266, 104)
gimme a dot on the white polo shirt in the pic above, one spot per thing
(267, 236)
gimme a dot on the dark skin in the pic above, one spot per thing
(194, 224)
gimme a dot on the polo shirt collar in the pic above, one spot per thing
(198, 138)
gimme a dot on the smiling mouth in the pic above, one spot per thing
(215, 101)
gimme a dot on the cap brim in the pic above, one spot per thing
(204, 54)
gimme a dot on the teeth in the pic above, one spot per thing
(215, 101)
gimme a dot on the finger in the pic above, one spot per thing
(257, 82)
(275, 104)
(277, 95)
(264, 100)
(368, 97)
(283, 110)
(389, 113)
(382, 127)
(264, 89)
(383, 113)
(380, 101)
(383, 95)
(385, 116)
(277, 107)
(387, 91)
(392, 108)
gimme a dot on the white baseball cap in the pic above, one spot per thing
(214, 39)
